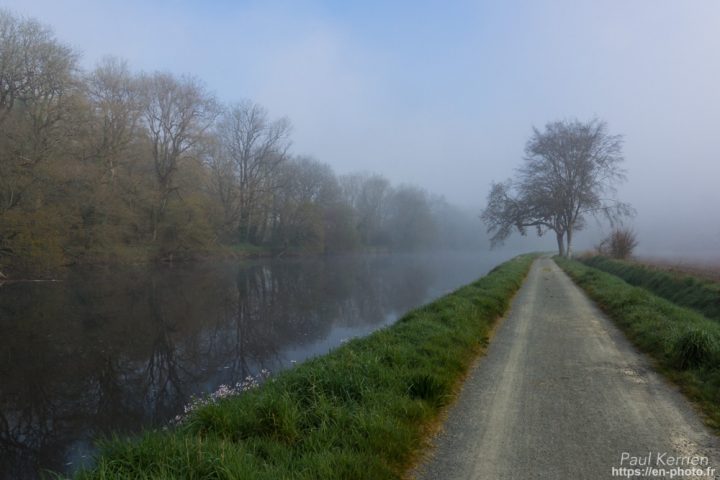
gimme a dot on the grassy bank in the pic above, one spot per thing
(360, 412)
(684, 344)
(682, 289)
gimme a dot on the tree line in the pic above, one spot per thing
(113, 164)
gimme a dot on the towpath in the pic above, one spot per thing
(562, 394)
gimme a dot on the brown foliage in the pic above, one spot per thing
(619, 244)
(114, 165)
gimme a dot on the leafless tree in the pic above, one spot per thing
(409, 223)
(33, 65)
(570, 171)
(251, 148)
(177, 113)
(115, 100)
(94, 164)
(309, 189)
(36, 84)
(368, 195)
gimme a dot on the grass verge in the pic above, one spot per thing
(360, 412)
(683, 289)
(684, 344)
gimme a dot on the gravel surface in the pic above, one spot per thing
(561, 394)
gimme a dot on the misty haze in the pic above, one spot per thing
(326, 239)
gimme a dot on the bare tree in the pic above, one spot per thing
(309, 189)
(95, 164)
(36, 82)
(570, 171)
(409, 223)
(245, 166)
(34, 66)
(177, 113)
(368, 195)
(115, 100)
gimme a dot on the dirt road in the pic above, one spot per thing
(562, 394)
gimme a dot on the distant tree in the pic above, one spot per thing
(457, 228)
(40, 98)
(409, 223)
(250, 150)
(368, 195)
(36, 88)
(306, 207)
(340, 232)
(177, 114)
(570, 171)
(110, 165)
(114, 96)
(34, 66)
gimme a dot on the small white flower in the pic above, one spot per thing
(223, 391)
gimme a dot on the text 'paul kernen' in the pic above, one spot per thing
(662, 459)
(663, 465)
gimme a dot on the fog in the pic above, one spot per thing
(445, 97)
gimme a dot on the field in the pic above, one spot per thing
(709, 270)
(673, 284)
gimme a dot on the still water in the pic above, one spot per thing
(119, 350)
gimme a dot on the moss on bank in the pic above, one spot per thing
(684, 344)
(360, 412)
(685, 290)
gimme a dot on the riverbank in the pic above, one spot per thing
(149, 255)
(46, 269)
(362, 411)
(684, 344)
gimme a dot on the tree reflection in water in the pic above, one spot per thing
(109, 351)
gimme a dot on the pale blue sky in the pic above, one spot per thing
(444, 94)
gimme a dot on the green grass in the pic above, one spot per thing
(684, 343)
(361, 412)
(685, 290)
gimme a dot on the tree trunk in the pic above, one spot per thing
(154, 224)
(568, 252)
(244, 225)
(561, 244)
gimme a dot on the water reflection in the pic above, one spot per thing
(113, 351)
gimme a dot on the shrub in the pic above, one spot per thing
(619, 244)
(694, 348)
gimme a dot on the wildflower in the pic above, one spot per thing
(223, 391)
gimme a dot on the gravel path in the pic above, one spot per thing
(562, 394)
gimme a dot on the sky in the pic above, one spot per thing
(444, 95)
